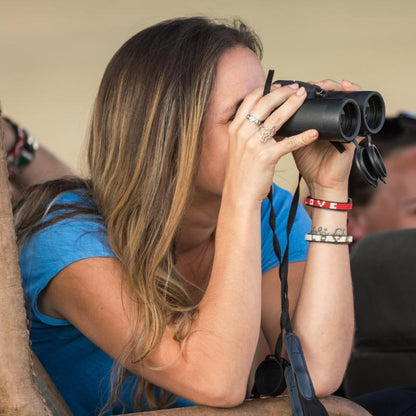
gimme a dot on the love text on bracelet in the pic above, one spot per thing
(329, 238)
(320, 203)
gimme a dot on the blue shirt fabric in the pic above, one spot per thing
(79, 369)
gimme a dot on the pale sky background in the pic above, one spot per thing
(53, 53)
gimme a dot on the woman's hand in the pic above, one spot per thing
(252, 161)
(323, 167)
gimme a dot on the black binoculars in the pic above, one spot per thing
(337, 115)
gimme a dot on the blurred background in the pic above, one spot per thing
(53, 53)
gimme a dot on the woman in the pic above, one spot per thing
(162, 261)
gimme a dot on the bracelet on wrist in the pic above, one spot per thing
(23, 150)
(329, 238)
(320, 203)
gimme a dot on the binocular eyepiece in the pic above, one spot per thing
(337, 115)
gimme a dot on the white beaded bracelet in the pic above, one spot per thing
(329, 238)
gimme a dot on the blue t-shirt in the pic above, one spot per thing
(79, 369)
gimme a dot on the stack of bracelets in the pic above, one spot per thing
(322, 237)
(22, 152)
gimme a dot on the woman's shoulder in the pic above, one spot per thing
(74, 198)
(69, 208)
(63, 240)
(71, 230)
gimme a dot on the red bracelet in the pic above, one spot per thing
(319, 203)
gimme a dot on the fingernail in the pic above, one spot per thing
(275, 86)
(345, 81)
(301, 91)
(313, 134)
(294, 86)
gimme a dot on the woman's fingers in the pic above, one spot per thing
(259, 118)
(274, 149)
(329, 84)
(278, 117)
(292, 143)
(350, 86)
(344, 85)
(261, 106)
(278, 97)
(271, 110)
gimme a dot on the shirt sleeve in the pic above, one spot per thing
(298, 247)
(55, 247)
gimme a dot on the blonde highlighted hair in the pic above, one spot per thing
(143, 155)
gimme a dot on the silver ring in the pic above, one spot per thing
(266, 133)
(253, 119)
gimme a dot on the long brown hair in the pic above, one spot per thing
(143, 155)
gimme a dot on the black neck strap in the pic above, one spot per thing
(285, 323)
(274, 373)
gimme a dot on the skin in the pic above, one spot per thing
(44, 166)
(393, 206)
(218, 249)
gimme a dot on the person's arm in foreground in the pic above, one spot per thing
(43, 167)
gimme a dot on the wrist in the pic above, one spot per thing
(338, 194)
(234, 196)
(237, 203)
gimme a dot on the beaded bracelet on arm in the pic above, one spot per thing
(320, 203)
(22, 152)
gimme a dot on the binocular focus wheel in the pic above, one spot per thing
(269, 378)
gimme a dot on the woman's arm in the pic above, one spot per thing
(320, 297)
(214, 366)
(321, 308)
(324, 315)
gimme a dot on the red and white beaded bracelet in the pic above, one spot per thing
(23, 150)
(320, 203)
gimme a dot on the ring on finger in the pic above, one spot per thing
(266, 133)
(253, 119)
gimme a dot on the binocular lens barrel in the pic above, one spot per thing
(336, 120)
(372, 109)
(337, 115)
(374, 113)
(348, 120)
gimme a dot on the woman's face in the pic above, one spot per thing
(239, 72)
